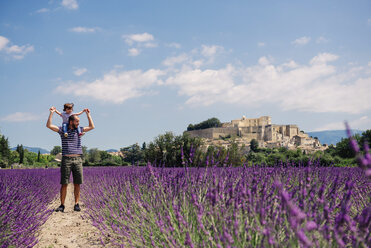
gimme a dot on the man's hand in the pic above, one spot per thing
(49, 122)
(91, 124)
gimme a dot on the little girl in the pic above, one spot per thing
(67, 112)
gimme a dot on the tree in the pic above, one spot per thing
(343, 148)
(132, 154)
(4, 151)
(94, 155)
(212, 122)
(38, 156)
(166, 150)
(366, 137)
(20, 151)
(56, 150)
(254, 145)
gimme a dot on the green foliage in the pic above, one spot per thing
(343, 148)
(56, 150)
(212, 122)
(166, 149)
(94, 155)
(366, 137)
(4, 151)
(133, 154)
(254, 145)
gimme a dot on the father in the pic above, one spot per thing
(71, 155)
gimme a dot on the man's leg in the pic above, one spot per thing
(77, 193)
(63, 193)
(65, 179)
(77, 180)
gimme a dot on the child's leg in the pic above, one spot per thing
(79, 130)
(64, 127)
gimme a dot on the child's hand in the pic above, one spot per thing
(52, 109)
(87, 111)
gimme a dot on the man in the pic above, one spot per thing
(71, 155)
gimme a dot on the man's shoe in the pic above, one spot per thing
(77, 207)
(60, 209)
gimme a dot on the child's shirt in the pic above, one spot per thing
(65, 116)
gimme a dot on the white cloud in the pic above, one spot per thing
(210, 51)
(150, 45)
(3, 42)
(321, 39)
(18, 52)
(264, 60)
(261, 44)
(59, 50)
(80, 71)
(301, 41)
(83, 30)
(323, 58)
(132, 38)
(315, 87)
(115, 87)
(174, 45)
(134, 52)
(171, 61)
(203, 87)
(361, 123)
(14, 51)
(20, 117)
(70, 4)
(43, 10)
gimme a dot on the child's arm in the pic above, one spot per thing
(59, 113)
(79, 113)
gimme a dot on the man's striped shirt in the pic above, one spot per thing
(71, 144)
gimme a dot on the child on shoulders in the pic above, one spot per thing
(67, 112)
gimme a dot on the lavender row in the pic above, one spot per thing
(229, 207)
(25, 196)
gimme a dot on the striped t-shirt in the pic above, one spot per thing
(71, 144)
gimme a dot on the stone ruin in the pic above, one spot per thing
(261, 129)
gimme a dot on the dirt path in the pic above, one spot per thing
(68, 229)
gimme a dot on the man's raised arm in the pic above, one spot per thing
(91, 123)
(49, 122)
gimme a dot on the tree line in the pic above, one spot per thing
(172, 150)
(21, 156)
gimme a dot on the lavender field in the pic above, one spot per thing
(230, 207)
(25, 196)
(283, 206)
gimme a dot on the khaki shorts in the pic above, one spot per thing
(73, 164)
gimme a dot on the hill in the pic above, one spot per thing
(33, 149)
(331, 136)
(111, 150)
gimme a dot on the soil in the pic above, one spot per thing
(69, 229)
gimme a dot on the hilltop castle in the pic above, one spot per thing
(267, 134)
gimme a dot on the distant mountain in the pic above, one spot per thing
(331, 136)
(33, 149)
(112, 150)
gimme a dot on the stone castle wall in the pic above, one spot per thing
(261, 129)
(214, 132)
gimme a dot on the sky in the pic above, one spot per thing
(147, 67)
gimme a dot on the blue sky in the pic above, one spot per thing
(147, 67)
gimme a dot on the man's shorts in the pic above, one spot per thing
(73, 164)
